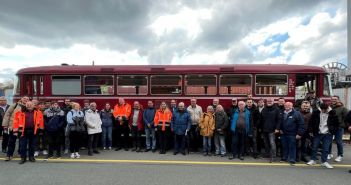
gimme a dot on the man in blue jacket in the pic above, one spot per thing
(292, 129)
(180, 125)
(241, 127)
(148, 119)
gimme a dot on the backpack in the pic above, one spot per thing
(79, 124)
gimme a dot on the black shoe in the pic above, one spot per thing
(118, 148)
(9, 158)
(292, 163)
(146, 150)
(183, 153)
(160, 152)
(272, 160)
(134, 149)
(241, 158)
(126, 149)
(304, 159)
(90, 153)
(232, 157)
(32, 159)
(153, 150)
(222, 155)
(205, 153)
(22, 161)
(96, 152)
(138, 150)
(175, 153)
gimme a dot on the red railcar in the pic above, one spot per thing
(165, 82)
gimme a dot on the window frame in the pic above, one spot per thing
(113, 86)
(287, 85)
(147, 85)
(251, 84)
(216, 85)
(52, 86)
(181, 84)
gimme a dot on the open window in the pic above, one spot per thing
(201, 84)
(305, 83)
(98, 85)
(132, 85)
(240, 84)
(166, 84)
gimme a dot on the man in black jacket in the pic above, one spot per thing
(5, 136)
(323, 124)
(270, 121)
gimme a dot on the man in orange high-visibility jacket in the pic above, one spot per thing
(122, 112)
(162, 122)
(29, 122)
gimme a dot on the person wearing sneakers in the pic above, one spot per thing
(108, 121)
(74, 119)
(93, 121)
(341, 112)
(323, 124)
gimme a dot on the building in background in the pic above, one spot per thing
(6, 89)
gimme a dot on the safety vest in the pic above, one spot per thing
(20, 121)
(164, 117)
(122, 110)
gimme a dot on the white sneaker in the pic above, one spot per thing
(109, 148)
(45, 152)
(36, 153)
(104, 148)
(311, 162)
(73, 156)
(327, 165)
(65, 152)
(338, 159)
(330, 156)
(77, 155)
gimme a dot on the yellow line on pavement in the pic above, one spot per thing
(179, 162)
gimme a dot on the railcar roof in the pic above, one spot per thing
(174, 69)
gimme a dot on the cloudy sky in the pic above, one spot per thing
(51, 32)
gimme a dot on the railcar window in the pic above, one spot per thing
(271, 84)
(132, 85)
(166, 84)
(98, 85)
(66, 85)
(41, 85)
(200, 84)
(34, 86)
(235, 84)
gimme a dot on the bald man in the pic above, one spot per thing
(292, 129)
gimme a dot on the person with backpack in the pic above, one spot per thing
(54, 119)
(75, 125)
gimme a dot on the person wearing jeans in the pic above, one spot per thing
(324, 123)
(180, 125)
(207, 126)
(148, 119)
(107, 120)
(292, 129)
(341, 113)
(221, 124)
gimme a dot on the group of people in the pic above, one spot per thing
(261, 129)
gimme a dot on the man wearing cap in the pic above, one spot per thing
(5, 137)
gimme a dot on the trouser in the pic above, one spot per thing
(278, 144)
(326, 140)
(67, 138)
(301, 146)
(338, 139)
(54, 140)
(179, 143)
(75, 141)
(252, 142)
(206, 144)
(269, 142)
(93, 140)
(289, 148)
(136, 134)
(194, 137)
(41, 143)
(106, 136)
(163, 137)
(219, 141)
(238, 142)
(12, 144)
(5, 141)
(260, 141)
(150, 138)
(27, 140)
(122, 129)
